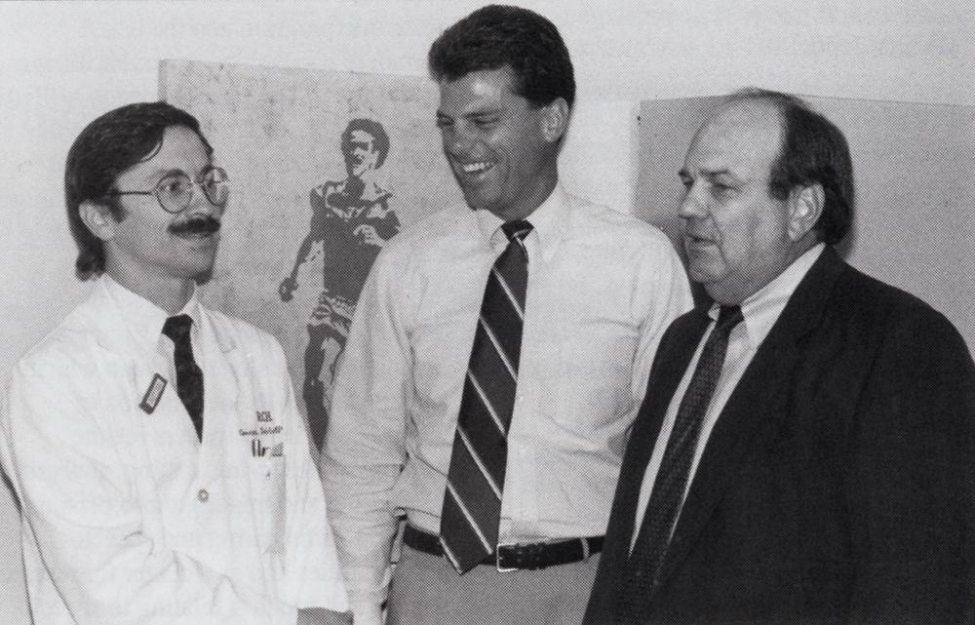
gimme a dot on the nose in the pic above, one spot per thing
(457, 138)
(692, 205)
(200, 203)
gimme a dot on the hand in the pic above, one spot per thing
(367, 613)
(321, 616)
(288, 286)
(367, 235)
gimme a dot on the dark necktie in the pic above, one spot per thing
(472, 502)
(647, 557)
(189, 377)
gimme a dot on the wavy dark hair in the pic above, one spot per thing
(375, 129)
(106, 148)
(813, 151)
(497, 36)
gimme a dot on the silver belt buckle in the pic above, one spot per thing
(497, 558)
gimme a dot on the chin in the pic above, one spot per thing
(476, 201)
(701, 274)
(204, 276)
(199, 274)
(197, 270)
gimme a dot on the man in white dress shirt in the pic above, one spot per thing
(601, 288)
(155, 447)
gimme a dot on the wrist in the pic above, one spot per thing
(367, 613)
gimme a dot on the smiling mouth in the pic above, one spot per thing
(198, 236)
(206, 235)
(475, 168)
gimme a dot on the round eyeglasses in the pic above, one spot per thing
(175, 191)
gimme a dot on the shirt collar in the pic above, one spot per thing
(549, 222)
(762, 309)
(144, 319)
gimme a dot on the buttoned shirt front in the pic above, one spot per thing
(760, 311)
(602, 288)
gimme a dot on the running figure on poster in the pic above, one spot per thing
(351, 221)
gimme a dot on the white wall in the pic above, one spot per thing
(62, 64)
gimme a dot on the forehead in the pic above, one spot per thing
(361, 136)
(742, 137)
(479, 90)
(181, 150)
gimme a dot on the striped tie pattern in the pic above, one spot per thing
(646, 559)
(189, 377)
(472, 501)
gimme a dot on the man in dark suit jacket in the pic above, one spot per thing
(826, 474)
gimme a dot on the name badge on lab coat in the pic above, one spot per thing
(153, 394)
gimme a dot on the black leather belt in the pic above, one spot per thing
(516, 556)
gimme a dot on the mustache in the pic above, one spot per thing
(196, 225)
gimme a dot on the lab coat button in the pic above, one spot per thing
(203, 495)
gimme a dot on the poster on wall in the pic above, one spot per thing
(325, 167)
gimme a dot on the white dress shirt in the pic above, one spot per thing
(602, 288)
(760, 311)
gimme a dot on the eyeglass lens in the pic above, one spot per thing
(175, 192)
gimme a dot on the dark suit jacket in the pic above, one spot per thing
(837, 485)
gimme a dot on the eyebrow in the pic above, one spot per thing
(475, 113)
(173, 171)
(708, 173)
(485, 112)
(161, 174)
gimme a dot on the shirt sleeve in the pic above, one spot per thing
(312, 577)
(85, 522)
(365, 444)
(661, 294)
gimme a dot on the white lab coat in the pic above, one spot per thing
(127, 517)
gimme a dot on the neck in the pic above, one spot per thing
(167, 292)
(525, 206)
(368, 176)
(735, 291)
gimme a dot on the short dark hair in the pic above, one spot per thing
(374, 128)
(498, 36)
(813, 151)
(106, 148)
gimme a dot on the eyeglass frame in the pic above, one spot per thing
(193, 185)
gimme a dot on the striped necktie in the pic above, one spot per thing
(647, 558)
(189, 377)
(472, 502)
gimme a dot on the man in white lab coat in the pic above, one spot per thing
(155, 446)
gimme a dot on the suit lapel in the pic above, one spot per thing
(675, 352)
(758, 401)
(666, 375)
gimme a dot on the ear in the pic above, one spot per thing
(98, 218)
(555, 120)
(805, 208)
